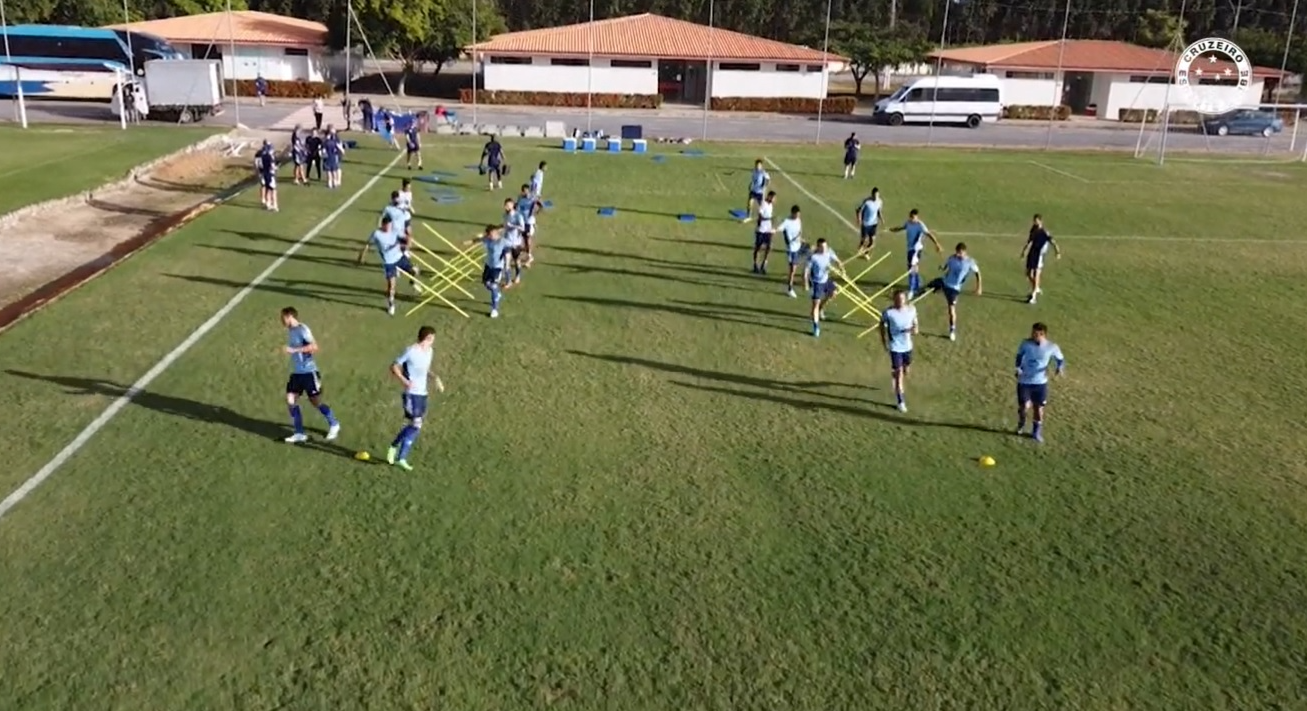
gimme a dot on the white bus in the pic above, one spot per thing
(968, 100)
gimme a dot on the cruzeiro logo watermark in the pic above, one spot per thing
(1213, 75)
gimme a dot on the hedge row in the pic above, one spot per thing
(1037, 113)
(283, 89)
(569, 100)
(786, 105)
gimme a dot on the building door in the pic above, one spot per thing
(1076, 91)
(696, 82)
(671, 79)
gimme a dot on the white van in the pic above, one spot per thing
(969, 100)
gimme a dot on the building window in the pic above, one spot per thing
(814, 67)
(569, 62)
(1160, 79)
(296, 52)
(787, 67)
(205, 51)
(739, 67)
(510, 60)
(632, 64)
(1028, 75)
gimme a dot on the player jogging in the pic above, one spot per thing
(412, 146)
(1033, 252)
(868, 216)
(763, 233)
(792, 232)
(758, 182)
(514, 229)
(956, 269)
(898, 324)
(493, 242)
(852, 149)
(387, 242)
(413, 369)
(405, 197)
(817, 278)
(1034, 355)
(538, 182)
(492, 163)
(265, 165)
(305, 380)
(528, 206)
(915, 229)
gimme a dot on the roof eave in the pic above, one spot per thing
(482, 49)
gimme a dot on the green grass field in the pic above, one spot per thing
(648, 487)
(47, 162)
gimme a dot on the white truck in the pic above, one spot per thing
(177, 90)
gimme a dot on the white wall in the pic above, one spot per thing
(768, 82)
(600, 77)
(1030, 92)
(273, 63)
(1124, 94)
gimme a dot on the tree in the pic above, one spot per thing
(870, 50)
(1156, 28)
(454, 33)
(420, 32)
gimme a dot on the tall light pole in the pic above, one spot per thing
(825, 72)
(590, 73)
(9, 62)
(939, 68)
(1059, 79)
(708, 73)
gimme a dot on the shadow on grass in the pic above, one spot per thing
(698, 268)
(701, 243)
(179, 407)
(656, 213)
(286, 289)
(804, 388)
(322, 241)
(298, 256)
(589, 269)
(705, 314)
(125, 209)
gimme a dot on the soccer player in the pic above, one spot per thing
(406, 197)
(265, 164)
(493, 241)
(1033, 252)
(898, 324)
(538, 182)
(305, 380)
(333, 152)
(313, 144)
(391, 250)
(388, 121)
(763, 232)
(514, 229)
(817, 278)
(758, 182)
(915, 229)
(1033, 358)
(529, 206)
(956, 269)
(399, 216)
(413, 369)
(792, 232)
(868, 216)
(299, 154)
(413, 145)
(852, 149)
(492, 163)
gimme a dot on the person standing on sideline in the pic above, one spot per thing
(261, 90)
(347, 110)
(314, 146)
(369, 123)
(317, 113)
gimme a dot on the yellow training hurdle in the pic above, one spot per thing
(448, 276)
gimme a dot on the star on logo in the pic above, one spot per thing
(1212, 59)
(1228, 71)
(1199, 72)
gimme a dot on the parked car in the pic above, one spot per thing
(1245, 122)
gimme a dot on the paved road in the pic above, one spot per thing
(690, 124)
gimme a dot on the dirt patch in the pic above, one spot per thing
(74, 239)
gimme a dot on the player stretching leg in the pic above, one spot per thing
(514, 229)
(305, 381)
(493, 241)
(758, 182)
(792, 233)
(817, 278)
(868, 216)
(956, 269)
(1033, 358)
(1033, 252)
(915, 230)
(413, 369)
(387, 243)
(528, 205)
(897, 327)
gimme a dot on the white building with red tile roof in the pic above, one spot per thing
(650, 54)
(1106, 75)
(272, 46)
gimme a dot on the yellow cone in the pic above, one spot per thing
(987, 461)
(363, 456)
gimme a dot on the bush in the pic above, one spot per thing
(1037, 113)
(1136, 115)
(569, 100)
(785, 105)
(283, 89)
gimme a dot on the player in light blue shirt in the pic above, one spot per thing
(763, 232)
(399, 216)
(822, 264)
(529, 205)
(413, 369)
(1034, 356)
(868, 216)
(916, 230)
(898, 324)
(792, 233)
(492, 240)
(305, 380)
(758, 182)
(538, 182)
(514, 238)
(957, 268)
(390, 248)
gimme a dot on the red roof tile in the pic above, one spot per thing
(649, 35)
(1076, 56)
(242, 27)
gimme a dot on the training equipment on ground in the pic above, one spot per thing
(427, 178)
(685, 217)
(443, 275)
(739, 214)
(987, 461)
(607, 211)
(363, 456)
(857, 295)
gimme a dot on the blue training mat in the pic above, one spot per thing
(607, 211)
(685, 218)
(738, 214)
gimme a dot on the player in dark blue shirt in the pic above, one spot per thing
(492, 162)
(1033, 252)
(852, 149)
(333, 154)
(313, 146)
(299, 153)
(413, 145)
(265, 165)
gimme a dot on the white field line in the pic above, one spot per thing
(1018, 236)
(140, 385)
(1062, 173)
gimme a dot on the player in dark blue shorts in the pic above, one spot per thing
(898, 324)
(492, 162)
(413, 146)
(1034, 356)
(852, 149)
(304, 381)
(1037, 244)
(492, 239)
(265, 165)
(758, 182)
